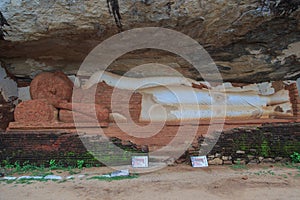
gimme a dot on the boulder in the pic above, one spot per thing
(216, 161)
(54, 87)
(38, 110)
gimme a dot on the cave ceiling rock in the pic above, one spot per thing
(246, 38)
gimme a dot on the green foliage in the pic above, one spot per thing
(34, 170)
(16, 167)
(7, 164)
(295, 157)
(53, 165)
(265, 148)
(80, 164)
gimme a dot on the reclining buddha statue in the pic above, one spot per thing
(178, 98)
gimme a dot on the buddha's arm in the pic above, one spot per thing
(129, 83)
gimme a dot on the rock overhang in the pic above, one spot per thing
(244, 38)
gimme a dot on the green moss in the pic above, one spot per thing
(265, 148)
(290, 147)
(265, 144)
(240, 143)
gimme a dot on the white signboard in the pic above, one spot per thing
(140, 162)
(199, 161)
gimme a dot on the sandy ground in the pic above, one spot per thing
(179, 182)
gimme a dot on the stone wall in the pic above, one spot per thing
(268, 143)
(65, 148)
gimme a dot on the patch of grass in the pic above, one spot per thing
(24, 181)
(33, 170)
(238, 165)
(271, 172)
(101, 178)
(7, 181)
(283, 175)
(72, 170)
(297, 175)
(29, 181)
(291, 165)
(62, 181)
(22, 169)
(41, 173)
(53, 165)
(295, 157)
(264, 172)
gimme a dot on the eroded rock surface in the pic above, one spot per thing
(6, 113)
(8, 96)
(245, 38)
(35, 111)
(55, 87)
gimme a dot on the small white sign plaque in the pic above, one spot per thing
(140, 162)
(199, 161)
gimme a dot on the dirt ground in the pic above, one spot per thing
(179, 182)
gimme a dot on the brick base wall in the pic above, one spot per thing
(249, 144)
(268, 143)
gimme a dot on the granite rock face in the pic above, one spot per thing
(246, 38)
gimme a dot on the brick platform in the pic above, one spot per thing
(279, 138)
